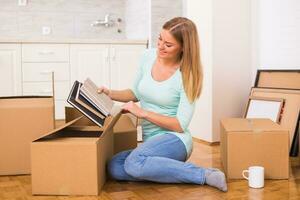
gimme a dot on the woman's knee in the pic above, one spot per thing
(114, 169)
(115, 166)
(133, 164)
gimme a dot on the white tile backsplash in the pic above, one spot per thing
(72, 18)
(8, 26)
(66, 18)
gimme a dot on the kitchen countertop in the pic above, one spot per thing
(74, 41)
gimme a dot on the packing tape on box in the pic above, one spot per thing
(254, 130)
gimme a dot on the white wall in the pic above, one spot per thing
(201, 13)
(277, 34)
(225, 40)
(232, 65)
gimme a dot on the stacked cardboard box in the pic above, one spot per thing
(248, 142)
(22, 119)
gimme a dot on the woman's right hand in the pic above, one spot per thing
(104, 90)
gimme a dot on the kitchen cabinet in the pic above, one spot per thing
(26, 67)
(113, 66)
(38, 63)
(10, 70)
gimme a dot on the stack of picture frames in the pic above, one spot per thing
(276, 95)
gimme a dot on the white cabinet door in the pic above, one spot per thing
(10, 70)
(90, 61)
(124, 64)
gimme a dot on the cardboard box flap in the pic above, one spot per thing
(84, 124)
(247, 125)
(71, 113)
(85, 128)
(110, 122)
(281, 79)
(124, 124)
(26, 102)
(57, 130)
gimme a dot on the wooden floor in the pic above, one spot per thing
(19, 187)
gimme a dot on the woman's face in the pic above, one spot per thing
(167, 46)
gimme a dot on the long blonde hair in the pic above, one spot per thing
(185, 32)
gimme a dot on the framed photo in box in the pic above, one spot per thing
(263, 107)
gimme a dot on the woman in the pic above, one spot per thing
(167, 85)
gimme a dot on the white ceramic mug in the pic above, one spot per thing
(255, 177)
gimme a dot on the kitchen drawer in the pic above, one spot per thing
(42, 71)
(45, 53)
(62, 89)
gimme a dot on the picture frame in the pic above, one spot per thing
(278, 79)
(264, 107)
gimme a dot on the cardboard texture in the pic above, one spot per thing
(125, 131)
(22, 119)
(125, 135)
(249, 142)
(291, 107)
(72, 113)
(71, 160)
(280, 79)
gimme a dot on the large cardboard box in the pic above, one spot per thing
(22, 119)
(71, 160)
(125, 130)
(248, 142)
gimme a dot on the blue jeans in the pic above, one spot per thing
(159, 159)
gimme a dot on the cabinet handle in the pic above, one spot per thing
(46, 53)
(45, 91)
(106, 55)
(113, 52)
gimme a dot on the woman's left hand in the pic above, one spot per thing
(134, 109)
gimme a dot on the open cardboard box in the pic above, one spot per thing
(125, 130)
(22, 119)
(71, 159)
(250, 142)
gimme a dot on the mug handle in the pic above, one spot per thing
(243, 173)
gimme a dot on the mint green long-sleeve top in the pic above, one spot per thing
(163, 97)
